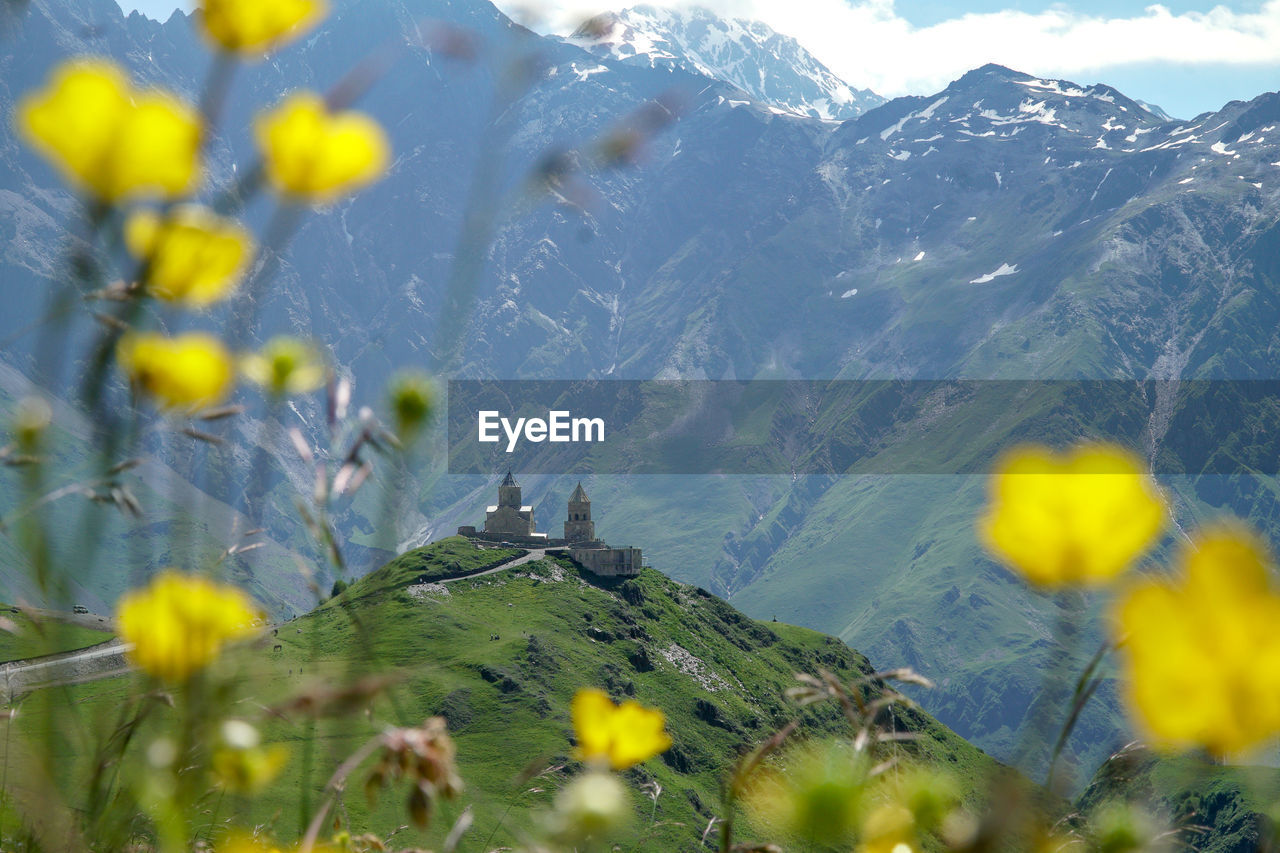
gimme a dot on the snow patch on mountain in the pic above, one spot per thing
(1004, 269)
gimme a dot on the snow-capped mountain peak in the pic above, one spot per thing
(768, 66)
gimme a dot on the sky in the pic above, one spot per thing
(1187, 56)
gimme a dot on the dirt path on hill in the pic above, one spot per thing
(100, 661)
(527, 557)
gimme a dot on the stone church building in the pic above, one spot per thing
(510, 519)
(511, 522)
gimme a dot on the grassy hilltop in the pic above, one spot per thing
(501, 655)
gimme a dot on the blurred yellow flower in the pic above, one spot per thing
(889, 828)
(179, 623)
(241, 763)
(1202, 650)
(624, 735)
(188, 372)
(818, 793)
(242, 843)
(192, 254)
(285, 366)
(1080, 517)
(110, 139)
(315, 155)
(589, 810)
(255, 27)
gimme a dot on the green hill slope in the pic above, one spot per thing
(1207, 807)
(500, 655)
(717, 675)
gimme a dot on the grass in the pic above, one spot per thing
(501, 656)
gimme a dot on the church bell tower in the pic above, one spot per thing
(509, 492)
(578, 526)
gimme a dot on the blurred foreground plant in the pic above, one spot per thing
(1201, 649)
(179, 624)
(106, 137)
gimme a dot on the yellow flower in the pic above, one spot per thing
(107, 137)
(241, 764)
(258, 26)
(1076, 518)
(285, 366)
(624, 735)
(1202, 651)
(179, 623)
(315, 155)
(188, 372)
(193, 255)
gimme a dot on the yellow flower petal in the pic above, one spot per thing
(257, 26)
(316, 155)
(180, 623)
(1077, 518)
(188, 372)
(109, 139)
(193, 255)
(624, 735)
(1201, 651)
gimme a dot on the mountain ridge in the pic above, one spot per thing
(770, 67)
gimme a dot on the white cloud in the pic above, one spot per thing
(870, 45)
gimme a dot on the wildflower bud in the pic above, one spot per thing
(240, 763)
(425, 757)
(818, 797)
(1121, 828)
(30, 422)
(285, 366)
(930, 797)
(412, 403)
(591, 808)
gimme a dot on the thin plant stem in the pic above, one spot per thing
(333, 786)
